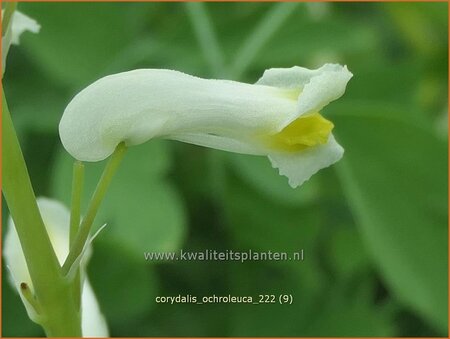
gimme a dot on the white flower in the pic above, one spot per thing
(277, 117)
(22, 23)
(56, 218)
(19, 23)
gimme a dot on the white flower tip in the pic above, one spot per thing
(19, 24)
(301, 166)
(22, 23)
(317, 87)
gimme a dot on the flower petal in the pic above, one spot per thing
(93, 322)
(142, 104)
(221, 143)
(135, 106)
(299, 167)
(19, 24)
(22, 23)
(56, 219)
(318, 87)
(31, 311)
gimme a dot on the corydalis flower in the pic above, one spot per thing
(56, 219)
(19, 24)
(277, 117)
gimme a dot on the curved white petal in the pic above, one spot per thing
(293, 77)
(56, 219)
(20, 23)
(142, 104)
(318, 87)
(139, 105)
(93, 322)
(299, 167)
(221, 143)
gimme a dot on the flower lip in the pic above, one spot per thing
(318, 87)
(307, 131)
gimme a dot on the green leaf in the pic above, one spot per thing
(423, 25)
(36, 103)
(259, 173)
(77, 41)
(348, 311)
(337, 310)
(141, 208)
(259, 224)
(384, 82)
(124, 287)
(395, 176)
(346, 253)
(304, 41)
(253, 279)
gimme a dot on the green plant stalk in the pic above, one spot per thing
(77, 191)
(9, 11)
(83, 233)
(53, 293)
(6, 31)
(207, 38)
(260, 35)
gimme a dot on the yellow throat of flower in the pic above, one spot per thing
(307, 131)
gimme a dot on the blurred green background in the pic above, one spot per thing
(373, 227)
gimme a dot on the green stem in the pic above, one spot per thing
(29, 297)
(77, 190)
(100, 191)
(9, 11)
(206, 36)
(260, 35)
(52, 292)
